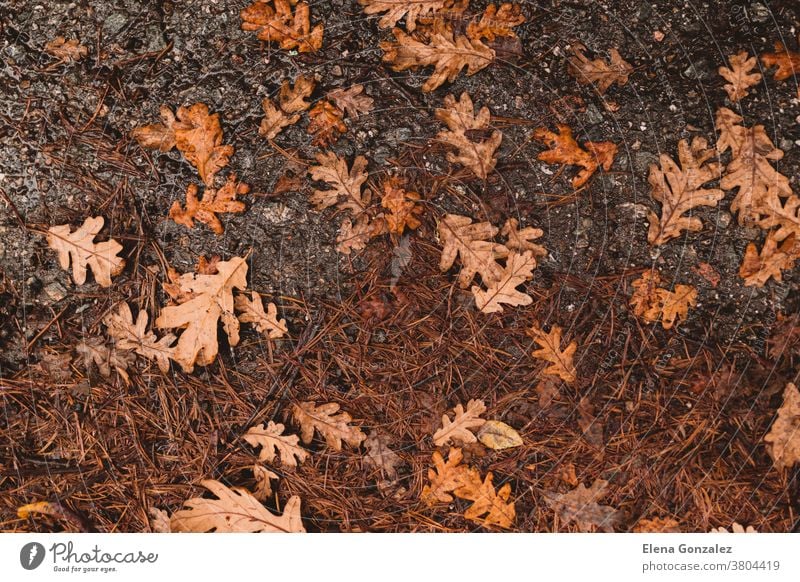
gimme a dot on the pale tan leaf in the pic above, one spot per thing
(272, 440)
(79, 249)
(597, 72)
(345, 185)
(264, 478)
(470, 242)
(460, 118)
(130, 335)
(380, 456)
(335, 428)
(266, 322)
(94, 351)
(561, 363)
(735, 528)
(499, 436)
(235, 510)
(396, 10)
(521, 239)
(354, 236)
(580, 506)
(783, 439)
(459, 429)
(740, 75)
(519, 268)
(159, 520)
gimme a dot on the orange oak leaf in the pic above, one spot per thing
(561, 363)
(277, 23)
(326, 123)
(445, 477)
(651, 302)
(489, 507)
(774, 258)
(335, 428)
(788, 62)
(292, 98)
(598, 72)
(401, 205)
(158, 135)
(496, 22)
(740, 75)
(345, 185)
(68, 51)
(79, 249)
(460, 118)
(212, 203)
(275, 119)
(565, 150)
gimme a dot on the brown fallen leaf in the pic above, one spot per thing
(266, 322)
(740, 75)
(275, 119)
(460, 118)
(159, 520)
(292, 98)
(67, 51)
(335, 428)
(380, 456)
(521, 239)
(580, 506)
(565, 150)
(651, 302)
(788, 62)
(345, 185)
(444, 477)
(212, 203)
(448, 54)
(130, 335)
(95, 351)
(783, 439)
(158, 135)
(547, 389)
(489, 507)
(518, 269)
(657, 525)
(235, 510)
(785, 337)
(591, 427)
(498, 436)
(561, 364)
(459, 429)
(735, 528)
(785, 217)
(598, 72)
(774, 258)
(679, 190)
(354, 236)
(272, 440)
(472, 245)
(326, 123)
(211, 300)
(278, 24)
(351, 100)
(411, 10)
(79, 249)
(264, 478)
(496, 22)
(401, 205)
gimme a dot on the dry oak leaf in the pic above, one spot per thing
(235, 510)
(211, 299)
(213, 202)
(272, 440)
(279, 25)
(498, 436)
(292, 99)
(334, 427)
(158, 135)
(401, 205)
(580, 506)
(345, 184)
(264, 478)
(467, 241)
(326, 123)
(519, 268)
(446, 477)
(565, 150)
(759, 185)
(380, 456)
(460, 118)
(735, 528)
(266, 322)
(756, 269)
(597, 72)
(651, 302)
(786, 217)
(459, 429)
(492, 505)
(561, 364)
(275, 120)
(130, 335)
(788, 62)
(446, 53)
(679, 190)
(351, 101)
(95, 351)
(784, 340)
(496, 22)
(412, 10)
(79, 249)
(354, 236)
(159, 520)
(657, 525)
(67, 51)
(520, 239)
(740, 75)
(783, 439)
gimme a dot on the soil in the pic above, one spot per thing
(683, 411)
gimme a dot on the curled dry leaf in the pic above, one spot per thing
(272, 440)
(460, 118)
(459, 429)
(211, 299)
(561, 363)
(740, 75)
(446, 53)
(679, 190)
(788, 62)
(277, 23)
(68, 51)
(401, 205)
(774, 258)
(266, 322)
(235, 510)
(651, 302)
(212, 203)
(565, 150)
(580, 506)
(598, 72)
(326, 123)
(345, 185)
(496, 22)
(130, 335)
(335, 428)
(79, 249)
(380, 456)
(783, 439)
(498, 436)
(395, 10)
(503, 291)
(472, 245)
(94, 351)
(264, 478)
(351, 100)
